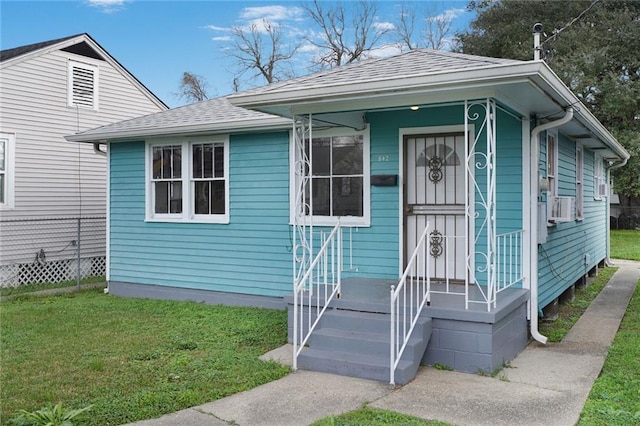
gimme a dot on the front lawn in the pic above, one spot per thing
(131, 358)
(615, 396)
(625, 244)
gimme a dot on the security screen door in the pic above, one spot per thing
(435, 194)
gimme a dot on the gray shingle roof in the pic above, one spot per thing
(23, 50)
(413, 63)
(210, 115)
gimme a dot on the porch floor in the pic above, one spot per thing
(373, 295)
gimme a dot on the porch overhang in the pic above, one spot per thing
(531, 89)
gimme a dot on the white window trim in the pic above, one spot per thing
(552, 176)
(93, 68)
(188, 215)
(553, 188)
(9, 189)
(349, 221)
(579, 182)
(598, 178)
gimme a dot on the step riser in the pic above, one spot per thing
(404, 373)
(366, 347)
(356, 344)
(369, 323)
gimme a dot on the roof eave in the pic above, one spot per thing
(252, 125)
(292, 96)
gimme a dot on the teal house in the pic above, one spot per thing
(416, 209)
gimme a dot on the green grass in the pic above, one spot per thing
(30, 288)
(131, 358)
(625, 244)
(372, 416)
(615, 396)
(569, 313)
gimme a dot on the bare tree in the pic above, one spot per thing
(432, 30)
(405, 26)
(193, 87)
(346, 35)
(438, 28)
(260, 48)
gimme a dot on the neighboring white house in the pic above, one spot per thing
(48, 185)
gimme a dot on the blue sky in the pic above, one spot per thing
(158, 40)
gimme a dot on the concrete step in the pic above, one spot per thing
(357, 344)
(354, 320)
(355, 365)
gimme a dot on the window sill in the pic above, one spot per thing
(346, 221)
(223, 220)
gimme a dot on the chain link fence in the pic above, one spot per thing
(34, 251)
(625, 217)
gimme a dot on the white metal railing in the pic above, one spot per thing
(407, 300)
(313, 292)
(509, 267)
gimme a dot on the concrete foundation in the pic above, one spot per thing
(550, 312)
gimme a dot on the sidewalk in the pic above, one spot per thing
(546, 384)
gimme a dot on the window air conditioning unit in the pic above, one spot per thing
(561, 209)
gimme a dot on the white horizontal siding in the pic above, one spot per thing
(55, 178)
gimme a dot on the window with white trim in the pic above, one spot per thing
(579, 186)
(339, 177)
(599, 179)
(188, 180)
(552, 163)
(82, 85)
(7, 170)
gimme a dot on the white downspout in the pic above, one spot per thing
(615, 166)
(534, 193)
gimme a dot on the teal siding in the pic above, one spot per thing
(251, 254)
(561, 260)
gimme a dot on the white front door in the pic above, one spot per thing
(434, 193)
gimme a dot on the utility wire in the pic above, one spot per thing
(556, 33)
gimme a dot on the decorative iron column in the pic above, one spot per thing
(302, 191)
(480, 201)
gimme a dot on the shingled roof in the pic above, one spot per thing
(23, 50)
(413, 63)
(207, 116)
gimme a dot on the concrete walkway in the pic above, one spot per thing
(545, 384)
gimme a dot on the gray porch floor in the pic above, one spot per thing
(373, 295)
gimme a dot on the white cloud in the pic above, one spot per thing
(451, 14)
(271, 13)
(216, 28)
(384, 26)
(221, 38)
(107, 6)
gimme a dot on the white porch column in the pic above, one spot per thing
(480, 202)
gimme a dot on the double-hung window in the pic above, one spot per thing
(7, 149)
(552, 163)
(188, 180)
(599, 179)
(338, 177)
(579, 186)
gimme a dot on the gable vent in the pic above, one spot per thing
(83, 85)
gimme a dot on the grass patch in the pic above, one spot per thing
(131, 359)
(30, 288)
(372, 416)
(615, 396)
(569, 313)
(625, 244)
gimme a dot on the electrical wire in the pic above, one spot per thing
(573, 21)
